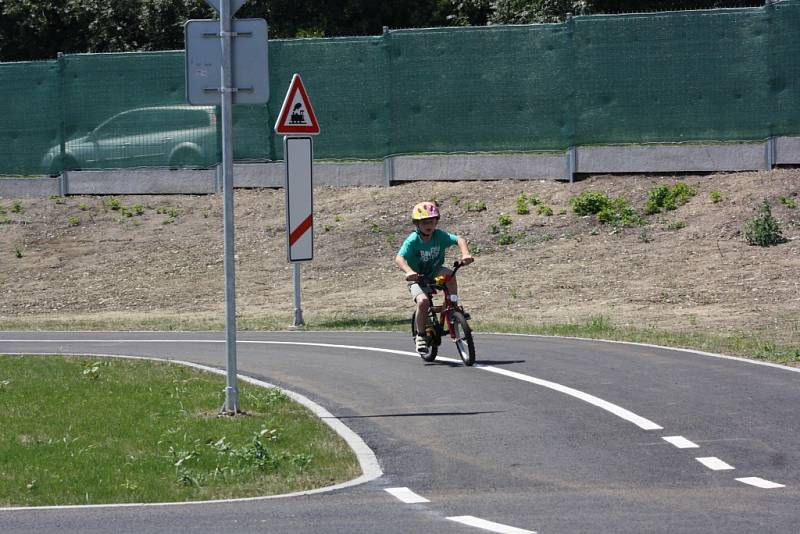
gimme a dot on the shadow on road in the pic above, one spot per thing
(477, 362)
(414, 414)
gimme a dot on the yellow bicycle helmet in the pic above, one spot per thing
(425, 210)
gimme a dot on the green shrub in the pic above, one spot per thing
(663, 197)
(764, 230)
(589, 203)
(521, 204)
(676, 225)
(504, 219)
(788, 202)
(619, 213)
(476, 206)
(682, 193)
(715, 196)
(506, 239)
(545, 210)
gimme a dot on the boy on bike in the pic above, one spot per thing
(422, 255)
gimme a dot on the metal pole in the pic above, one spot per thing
(298, 311)
(231, 406)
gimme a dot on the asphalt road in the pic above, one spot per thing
(545, 435)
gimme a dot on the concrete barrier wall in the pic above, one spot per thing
(394, 169)
(691, 158)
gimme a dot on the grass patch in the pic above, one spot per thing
(89, 431)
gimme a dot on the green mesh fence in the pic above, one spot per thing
(717, 75)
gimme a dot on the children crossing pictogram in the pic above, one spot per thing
(297, 115)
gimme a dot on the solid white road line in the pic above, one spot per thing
(714, 463)
(760, 483)
(488, 525)
(680, 442)
(406, 495)
(619, 411)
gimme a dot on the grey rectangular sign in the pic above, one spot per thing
(250, 69)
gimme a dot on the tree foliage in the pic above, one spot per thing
(39, 29)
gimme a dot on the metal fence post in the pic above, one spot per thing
(63, 182)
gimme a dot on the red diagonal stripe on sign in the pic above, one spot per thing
(298, 232)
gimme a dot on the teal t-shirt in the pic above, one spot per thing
(426, 258)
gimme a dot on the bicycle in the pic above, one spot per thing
(448, 317)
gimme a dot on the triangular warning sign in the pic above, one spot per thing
(297, 115)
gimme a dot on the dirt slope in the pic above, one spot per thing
(688, 269)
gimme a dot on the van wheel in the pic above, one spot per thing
(184, 158)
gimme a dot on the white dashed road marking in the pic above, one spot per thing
(680, 442)
(760, 483)
(715, 464)
(488, 525)
(406, 495)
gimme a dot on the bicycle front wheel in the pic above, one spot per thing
(463, 338)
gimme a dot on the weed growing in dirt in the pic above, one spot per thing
(74, 220)
(715, 196)
(171, 213)
(789, 202)
(476, 206)
(131, 211)
(589, 203)
(544, 210)
(112, 203)
(521, 205)
(16, 207)
(620, 213)
(18, 252)
(665, 198)
(83, 207)
(58, 199)
(676, 225)
(764, 230)
(504, 219)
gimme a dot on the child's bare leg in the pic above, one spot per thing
(423, 305)
(452, 286)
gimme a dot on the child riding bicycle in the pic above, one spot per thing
(422, 256)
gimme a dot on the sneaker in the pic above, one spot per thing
(466, 314)
(422, 344)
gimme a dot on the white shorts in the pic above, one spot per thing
(416, 289)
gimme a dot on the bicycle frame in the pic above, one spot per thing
(444, 310)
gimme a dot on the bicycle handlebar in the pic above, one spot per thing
(431, 280)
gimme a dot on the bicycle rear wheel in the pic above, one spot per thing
(463, 338)
(433, 346)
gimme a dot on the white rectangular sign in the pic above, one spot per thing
(297, 160)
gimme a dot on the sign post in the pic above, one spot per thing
(297, 122)
(203, 57)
